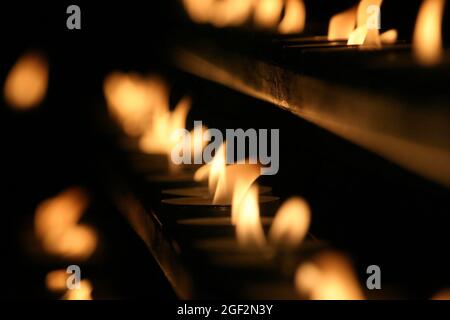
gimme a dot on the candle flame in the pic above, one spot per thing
(427, 39)
(214, 170)
(249, 231)
(342, 24)
(328, 277)
(132, 100)
(57, 228)
(294, 17)
(84, 292)
(55, 281)
(27, 81)
(267, 13)
(363, 35)
(291, 223)
(159, 137)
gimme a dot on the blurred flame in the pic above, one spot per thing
(442, 295)
(268, 12)
(291, 223)
(427, 39)
(294, 17)
(231, 12)
(27, 81)
(342, 24)
(84, 292)
(133, 99)
(57, 229)
(199, 10)
(389, 37)
(159, 137)
(249, 231)
(362, 35)
(328, 277)
(55, 281)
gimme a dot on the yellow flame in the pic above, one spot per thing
(132, 100)
(57, 229)
(294, 17)
(268, 12)
(342, 24)
(249, 231)
(291, 223)
(237, 177)
(362, 35)
(55, 281)
(84, 292)
(328, 277)
(199, 10)
(214, 170)
(159, 137)
(231, 12)
(427, 39)
(26, 84)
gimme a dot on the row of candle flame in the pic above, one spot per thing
(141, 107)
(27, 82)
(350, 25)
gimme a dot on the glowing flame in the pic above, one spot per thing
(362, 35)
(199, 10)
(159, 137)
(249, 231)
(342, 24)
(55, 281)
(84, 292)
(132, 100)
(294, 17)
(57, 229)
(26, 84)
(291, 223)
(427, 39)
(328, 277)
(268, 12)
(389, 37)
(219, 13)
(214, 170)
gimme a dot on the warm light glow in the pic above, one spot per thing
(160, 136)
(294, 17)
(132, 100)
(55, 281)
(84, 292)
(231, 12)
(249, 231)
(342, 24)
(57, 228)
(389, 37)
(427, 39)
(268, 12)
(291, 223)
(26, 84)
(328, 277)
(442, 295)
(214, 170)
(363, 35)
(237, 178)
(199, 10)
